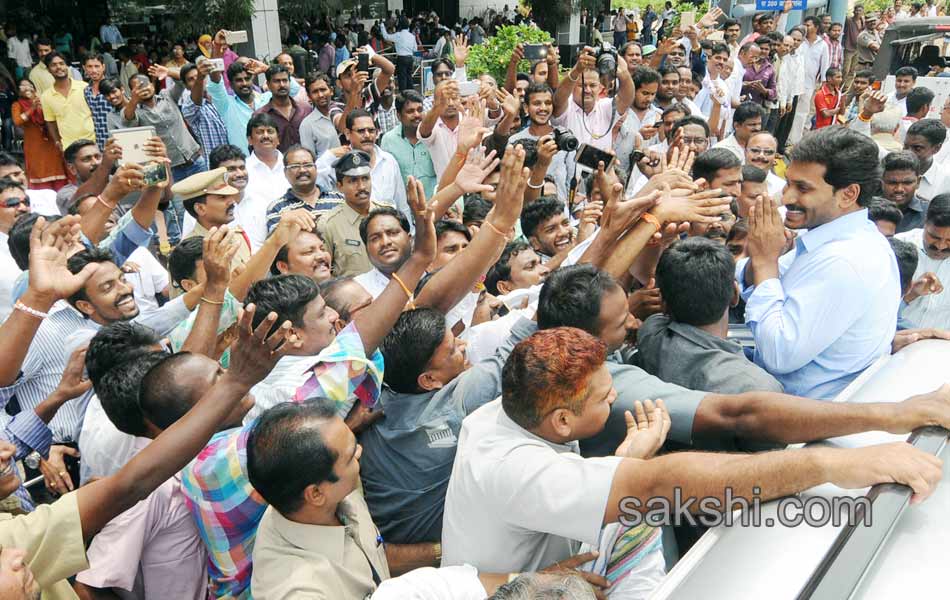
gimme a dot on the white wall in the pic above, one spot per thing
(265, 29)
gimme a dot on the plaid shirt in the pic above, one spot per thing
(217, 491)
(100, 109)
(386, 119)
(205, 122)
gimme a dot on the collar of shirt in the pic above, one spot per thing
(704, 339)
(840, 228)
(319, 539)
(916, 204)
(514, 430)
(256, 164)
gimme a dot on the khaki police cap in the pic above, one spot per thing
(207, 182)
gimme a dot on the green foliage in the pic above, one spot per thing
(493, 55)
(188, 18)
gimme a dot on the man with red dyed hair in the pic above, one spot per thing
(521, 496)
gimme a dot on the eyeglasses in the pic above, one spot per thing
(762, 151)
(695, 141)
(300, 166)
(15, 202)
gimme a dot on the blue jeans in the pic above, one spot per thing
(175, 213)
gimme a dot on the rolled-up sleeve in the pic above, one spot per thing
(28, 433)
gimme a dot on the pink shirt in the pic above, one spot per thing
(442, 143)
(593, 128)
(152, 550)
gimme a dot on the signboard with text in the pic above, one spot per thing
(778, 4)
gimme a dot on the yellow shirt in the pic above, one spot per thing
(52, 539)
(297, 560)
(41, 78)
(70, 113)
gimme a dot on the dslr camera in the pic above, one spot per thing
(605, 57)
(565, 140)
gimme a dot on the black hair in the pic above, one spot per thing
(260, 120)
(443, 61)
(536, 88)
(475, 208)
(719, 48)
(115, 344)
(523, 77)
(77, 262)
(907, 71)
(274, 70)
(224, 153)
(676, 107)
(162, 396)
(754, 174)
(69, 154)
(184, 258)
(299, 148)
(644, 75)
(8, 183)
(8, 160)
(409, 346)
(315, 76)
(728, 22)
(907, 259)
(408, 97)
(747, 111)
(235, 69)
(938, 213)
(538, 212)
(918, 98)
(933, 130)
(185, 69)
(353, 115)
(708, 163)
(902, 160)
(92, 56)
(18, 241)
(119, 391)
(49, 58)
(286, 453)
(283, 255)
(572, 296)
(109, 85)
(286, 295)
(444, 226)
(385, 211)
(696, 278)
(501, 270)
(848, 157)
(689, 120)
(882, 209)
(865, 74)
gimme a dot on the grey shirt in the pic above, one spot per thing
(407, 457)
(317, 132)
(166, 118)
(693, 358)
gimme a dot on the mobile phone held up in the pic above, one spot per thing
(235, 37)
(588, 156)
(155, 173)
(469, 88)
(362, 62)
(535, 52)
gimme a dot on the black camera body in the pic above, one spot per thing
(565, 140)
(605, 57)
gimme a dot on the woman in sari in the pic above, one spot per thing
(44, 161)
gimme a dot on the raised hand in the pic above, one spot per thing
(698, 207)
(646, 430)
(710, 18)
(218, 249)
(509, 102)
(424, 241)
(477, 167)
(590, 220)
(129, 178)
(646, 301)
(292, 223)
(509, 197)
(472, 128)
(158, 71)
(49, 276)
(460, 50)
(74, 382)
(517, 55)
(766, 240)
(257, 350)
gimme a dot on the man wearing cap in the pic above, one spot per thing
(340, 228)
(211, 201)
(868, 43)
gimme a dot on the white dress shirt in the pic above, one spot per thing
(373, 281)
(9, 271)
(932, 310)
(732, 144)
(935, 181)
(442, 143)
(816, 60)
(776, 186)
(404, 40)
(43, 202)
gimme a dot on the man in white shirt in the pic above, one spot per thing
(580, 108)
(761, 151)
(385, 233)
(266, 181)
(13, 203)
(925, 138)
(520, 496)
(815, 61)
(933, 244)
(747, 121)
(18, 48)
(642, 119)
(361, 131)
(905, 79)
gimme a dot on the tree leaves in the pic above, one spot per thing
(493, 55)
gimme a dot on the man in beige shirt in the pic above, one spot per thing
(41, 549)
(340, 228)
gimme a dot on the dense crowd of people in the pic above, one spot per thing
(331, 335)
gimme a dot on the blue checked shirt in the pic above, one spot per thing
(205, 121)
(100, 109)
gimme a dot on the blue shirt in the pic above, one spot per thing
(833, 310)
(234, 112)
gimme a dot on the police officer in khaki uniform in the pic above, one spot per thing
(340, 228)
(209, 198)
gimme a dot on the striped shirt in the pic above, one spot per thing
(205, 122)
(59, 334)
(325, 203)
(100, 109)
(226, 508)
